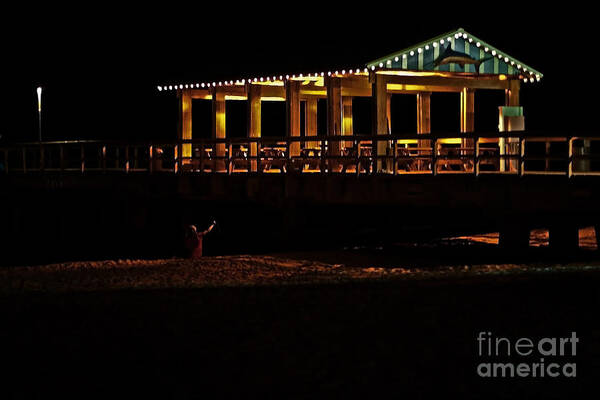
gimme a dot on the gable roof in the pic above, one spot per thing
(422, 57)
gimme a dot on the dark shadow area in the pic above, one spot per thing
(445, 112)
(486, 109)
(273, 119)
(361, 112)
(236, 114)
(443, 252)
(201, 119)
(357, 340)
(404, 113)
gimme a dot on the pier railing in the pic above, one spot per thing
(518, 153)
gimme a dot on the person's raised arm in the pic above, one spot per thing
(210, 228)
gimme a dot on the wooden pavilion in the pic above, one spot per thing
(455, 61)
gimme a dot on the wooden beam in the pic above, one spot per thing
(204, 94)
(218, 125)
(272, 92)
(413, 89)
(310, 120)
(292, 108)
(424, 112)
(388, 112)
(185, 121)
(379, 116)
(467, 110)
(424, 124)
(347, 119)
(457, 82)
(512, 93)
(334, 115)
(467, 115)
(254, 121)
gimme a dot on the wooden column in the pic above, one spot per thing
(185, 121)
(512, 93)
(388, 113)
(254, 121)
(511, 99)
(334, 112)
(292, 108)
(467, 116)
(310, 121)
(379, 102)
(334, 118)
(218, 125)
(424, 112)
(347, 128)
(424, 124)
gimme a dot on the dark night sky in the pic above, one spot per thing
(100, 67)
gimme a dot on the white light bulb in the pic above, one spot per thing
(419, 50)
(426, 47)
(478, 44)
(493, 52)
(434, 44)
(396, 59)
(412, 53)
(160, 88)
(380, 65)
(442, 41)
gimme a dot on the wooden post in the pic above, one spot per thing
(310, 121)
(254, 122)
(511, 99)
(292, 108)
(347, 128)
(467, 117)
(424, 124)
(334, 119)
(185, 121)
(379, 101)
(218, 127)
(388, 113)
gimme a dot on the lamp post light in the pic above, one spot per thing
(39, 96)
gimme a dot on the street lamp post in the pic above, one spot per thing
(39, 95)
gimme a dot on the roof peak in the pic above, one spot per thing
(424, 56)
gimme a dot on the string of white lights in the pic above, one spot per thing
(265, 79)
(524, 74)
